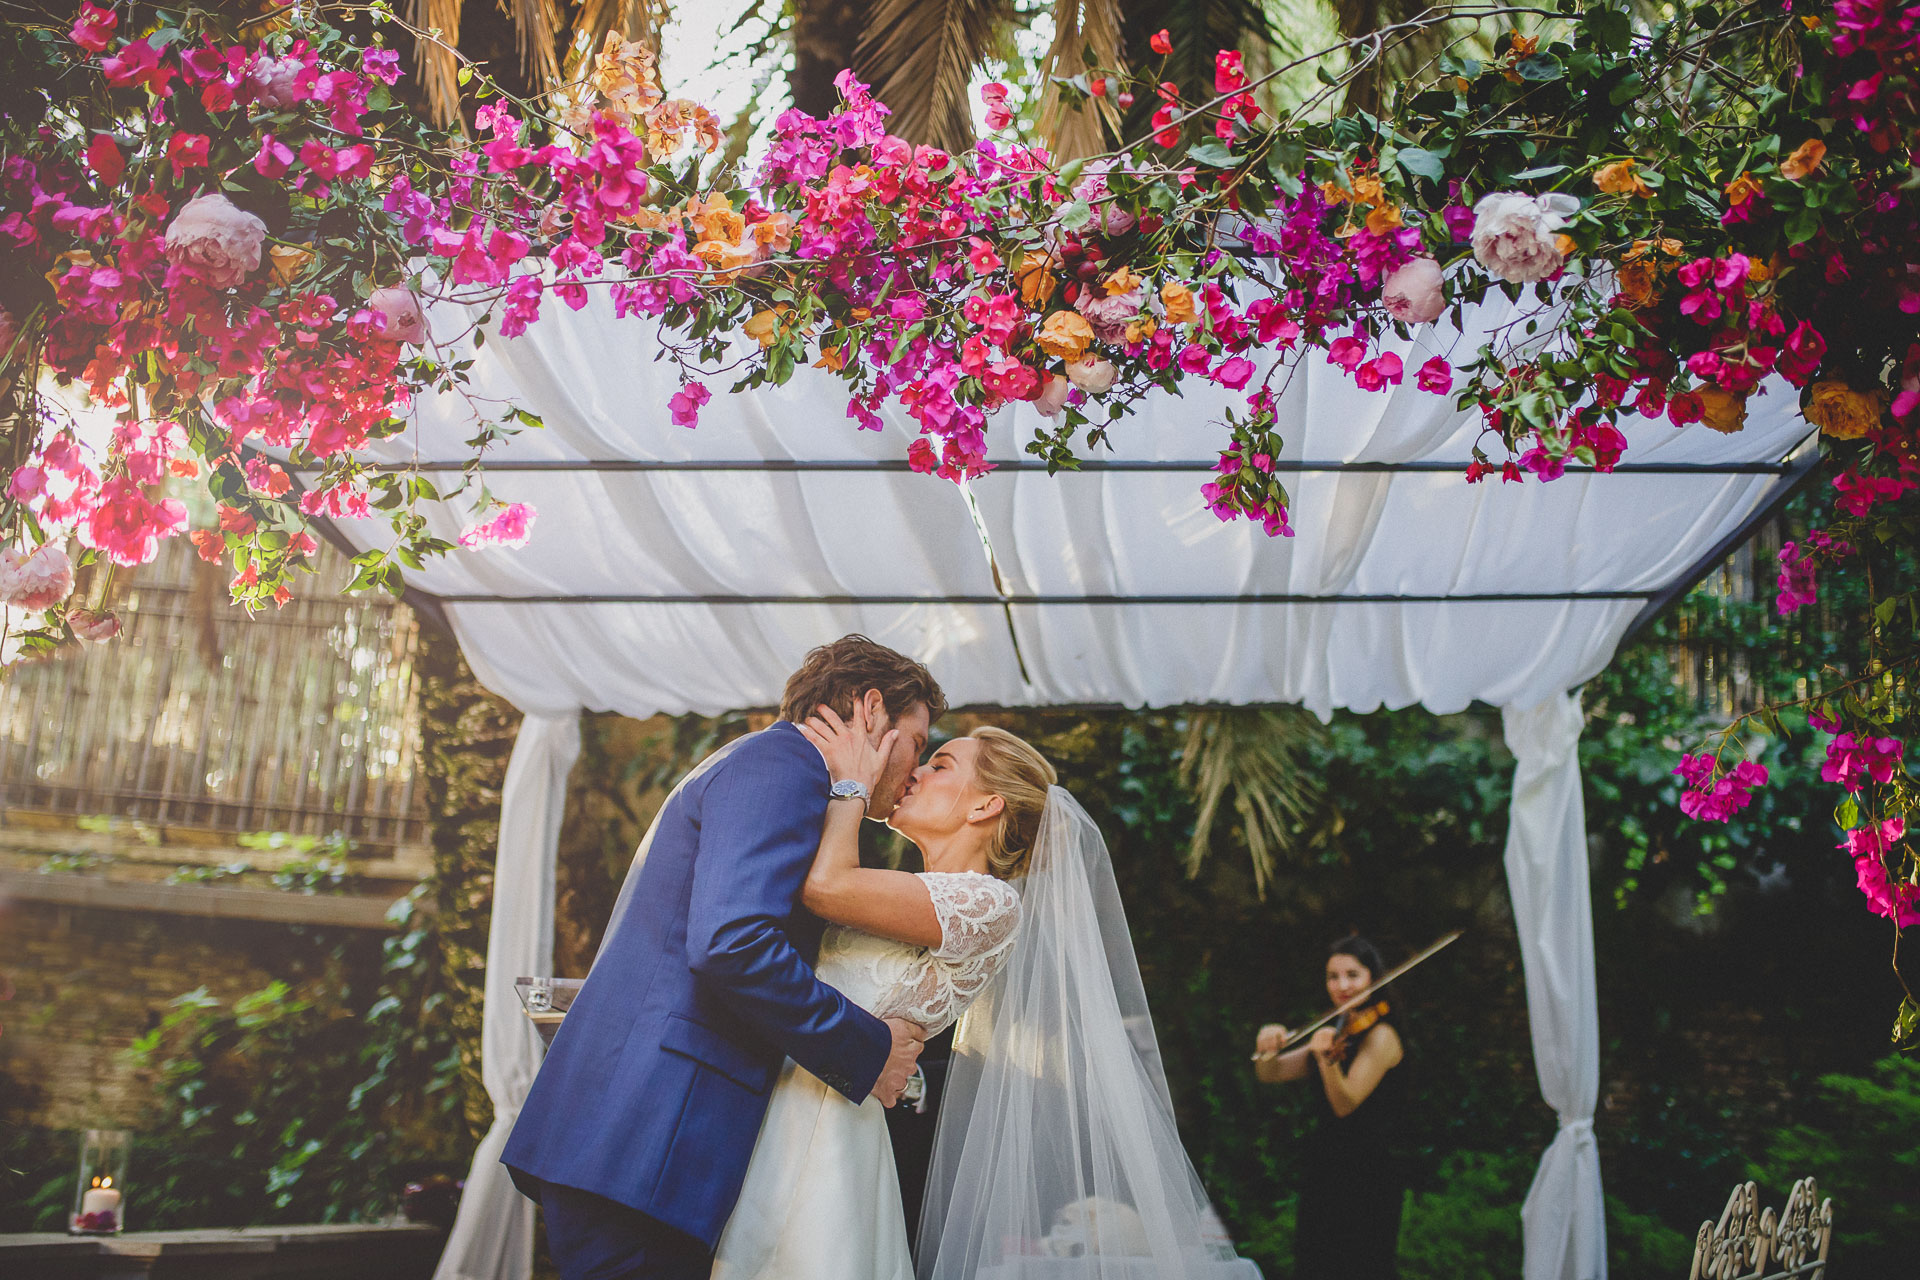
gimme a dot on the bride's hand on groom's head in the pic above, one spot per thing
(847, 745)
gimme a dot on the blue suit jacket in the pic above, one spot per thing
(653, 1092)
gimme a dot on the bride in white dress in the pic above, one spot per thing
(1056, 1155)
(821, 1201)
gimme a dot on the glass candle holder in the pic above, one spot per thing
(100, 1195)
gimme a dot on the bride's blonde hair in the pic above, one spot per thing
(1007, 766)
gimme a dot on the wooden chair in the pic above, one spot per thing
(1751, 1244)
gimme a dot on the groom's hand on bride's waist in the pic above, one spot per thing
(908, 1037)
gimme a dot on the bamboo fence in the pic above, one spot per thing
(301, 720)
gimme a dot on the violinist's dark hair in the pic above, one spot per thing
(1365, 952)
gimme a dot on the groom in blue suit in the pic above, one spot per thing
(636, 1134)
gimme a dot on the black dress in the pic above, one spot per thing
(1353, 1182)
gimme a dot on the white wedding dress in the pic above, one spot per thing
(820, 1201)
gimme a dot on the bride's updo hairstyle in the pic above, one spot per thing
(1009, 767)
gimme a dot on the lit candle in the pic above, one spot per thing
(101, 1197)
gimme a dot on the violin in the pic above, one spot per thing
(1356, 1023)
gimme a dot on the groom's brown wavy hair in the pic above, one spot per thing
(836, 674)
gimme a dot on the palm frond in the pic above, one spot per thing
(536, 33)
(920, 55)
(1261, 756)
(1086, 34)
(438, 69)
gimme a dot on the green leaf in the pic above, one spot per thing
(1544, 171)
(1214, 155)
(1539, 66)
(1421, 163)
(1074, 215)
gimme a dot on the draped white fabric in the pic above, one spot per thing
(492, 1237)
(728, 576)
(1564, 1219)
(1118, 533)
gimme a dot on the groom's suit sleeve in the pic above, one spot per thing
(759, 829)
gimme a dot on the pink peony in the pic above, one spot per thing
(36, 581)
(216, 240)
(275, 81)
(405, 321)
(1513, 234)
(1053, 396)
(1091, 374)
(88, 625)
(1110, 314)
(1412, 292)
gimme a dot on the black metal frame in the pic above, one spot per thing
(812, 466)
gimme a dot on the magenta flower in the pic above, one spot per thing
(1436, 376)
(382, 64)
(93, 30)
(686, 402)
(1234, 373)
(1868, 847)
(272, 159)
(1854, 758)
(511, 526)
(1707, 799)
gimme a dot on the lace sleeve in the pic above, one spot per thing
(977, 913)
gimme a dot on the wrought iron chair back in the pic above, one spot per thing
(1749, 1243)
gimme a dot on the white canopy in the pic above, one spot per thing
(676, 570)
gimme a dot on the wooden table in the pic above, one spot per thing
(359, 1251)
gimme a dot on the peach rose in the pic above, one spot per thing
(94, 627)
(1841, 412)
(1177, 300)
(1725, 411)
(1034, 276)
(1066, 334)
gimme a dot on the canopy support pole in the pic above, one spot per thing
(492, 1237)
(1563, 1222)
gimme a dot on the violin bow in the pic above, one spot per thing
(1299, 1037)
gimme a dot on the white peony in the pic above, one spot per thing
(216, 240)
(36, 581)
(1053, 395)
(1513, 234)
(1091, 374)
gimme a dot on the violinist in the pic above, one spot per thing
(1349, 1214)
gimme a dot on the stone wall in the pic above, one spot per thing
(89, 982)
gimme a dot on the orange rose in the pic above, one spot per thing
(760, 327)
(1564, 243)
(1034, 276)
(1638, 282)
(774, 231)
(1121, 281)
(1066, 334)
(287, 261)
(1178, 301)
(1141, 329)
(1619, 179)
(1725, 411)
(1841, 412)
(1806, 158)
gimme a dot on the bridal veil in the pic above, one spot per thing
(1056, 1155)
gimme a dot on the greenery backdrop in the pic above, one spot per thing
(1743, 994)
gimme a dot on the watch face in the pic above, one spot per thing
(848, 788)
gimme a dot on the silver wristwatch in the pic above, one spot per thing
(850, 789)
